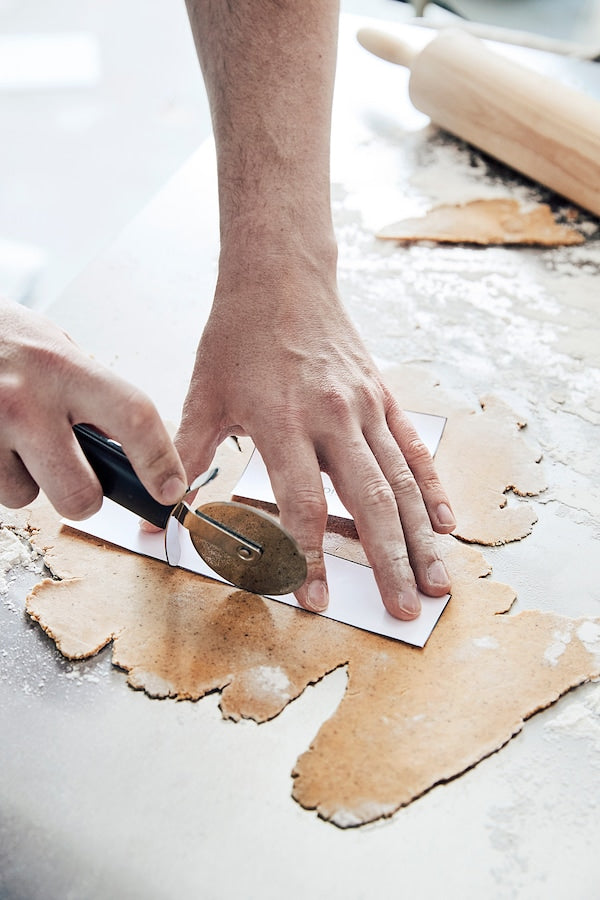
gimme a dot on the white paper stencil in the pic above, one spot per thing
(255, 484)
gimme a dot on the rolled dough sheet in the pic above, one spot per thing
(430, 713)
(493, 221)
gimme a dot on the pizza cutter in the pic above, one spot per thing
(243, 545)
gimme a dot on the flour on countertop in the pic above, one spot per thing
(486, 642)
(14, 552)
(589, 635)
(470, 178)
(557, 647)
(270, 680)
(580, 719)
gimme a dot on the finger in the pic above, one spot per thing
(148, 527)
(296, 481)
(200, 431)
(56, 463)
(368, 496)
(129, 416)
(17, 487)
(196, 447)
(422, 466)
(423, 551)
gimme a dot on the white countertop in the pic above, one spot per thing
(104, 792)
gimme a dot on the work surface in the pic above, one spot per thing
(104, 792)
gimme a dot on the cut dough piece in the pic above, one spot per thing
(494, 221)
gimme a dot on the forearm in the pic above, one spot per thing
(269, 70)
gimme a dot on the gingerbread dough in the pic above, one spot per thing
(484, 457)
(493, 221)
(429, 713)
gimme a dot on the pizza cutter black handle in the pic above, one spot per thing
(119, 481)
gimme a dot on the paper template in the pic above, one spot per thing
(255, 484)
(354, 598)
(353, 594)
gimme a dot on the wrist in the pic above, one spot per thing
(273, 250)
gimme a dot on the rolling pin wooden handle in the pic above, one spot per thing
(387, 47)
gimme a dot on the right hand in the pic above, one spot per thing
(296, 377)
(47, 385)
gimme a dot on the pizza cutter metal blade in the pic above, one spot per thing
(243, 545)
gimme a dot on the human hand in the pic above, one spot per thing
(279, 360)
(47, 385)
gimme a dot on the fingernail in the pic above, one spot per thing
(148, 527)
(173, 489)
(437, 574)
(318, 596)
(445, 516)
(409, 604)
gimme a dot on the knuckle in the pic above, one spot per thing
(338, 404)
(312, 501)
(81, 502)
(372, 398)
(417, 452)
(14, 403)
(378, 493)
(18, 495)
(422, 543)
(49, 357)
(390, 402)
(314, 556)
(309, 509)
(404, 484)
(159, 461)
(401, 560)
(431, 485)
(141, 413)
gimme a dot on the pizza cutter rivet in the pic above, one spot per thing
(244, 553)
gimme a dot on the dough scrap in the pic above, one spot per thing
(492, 221)
(483, 457)
(431, 713)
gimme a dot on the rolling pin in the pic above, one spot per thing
(536, 125)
